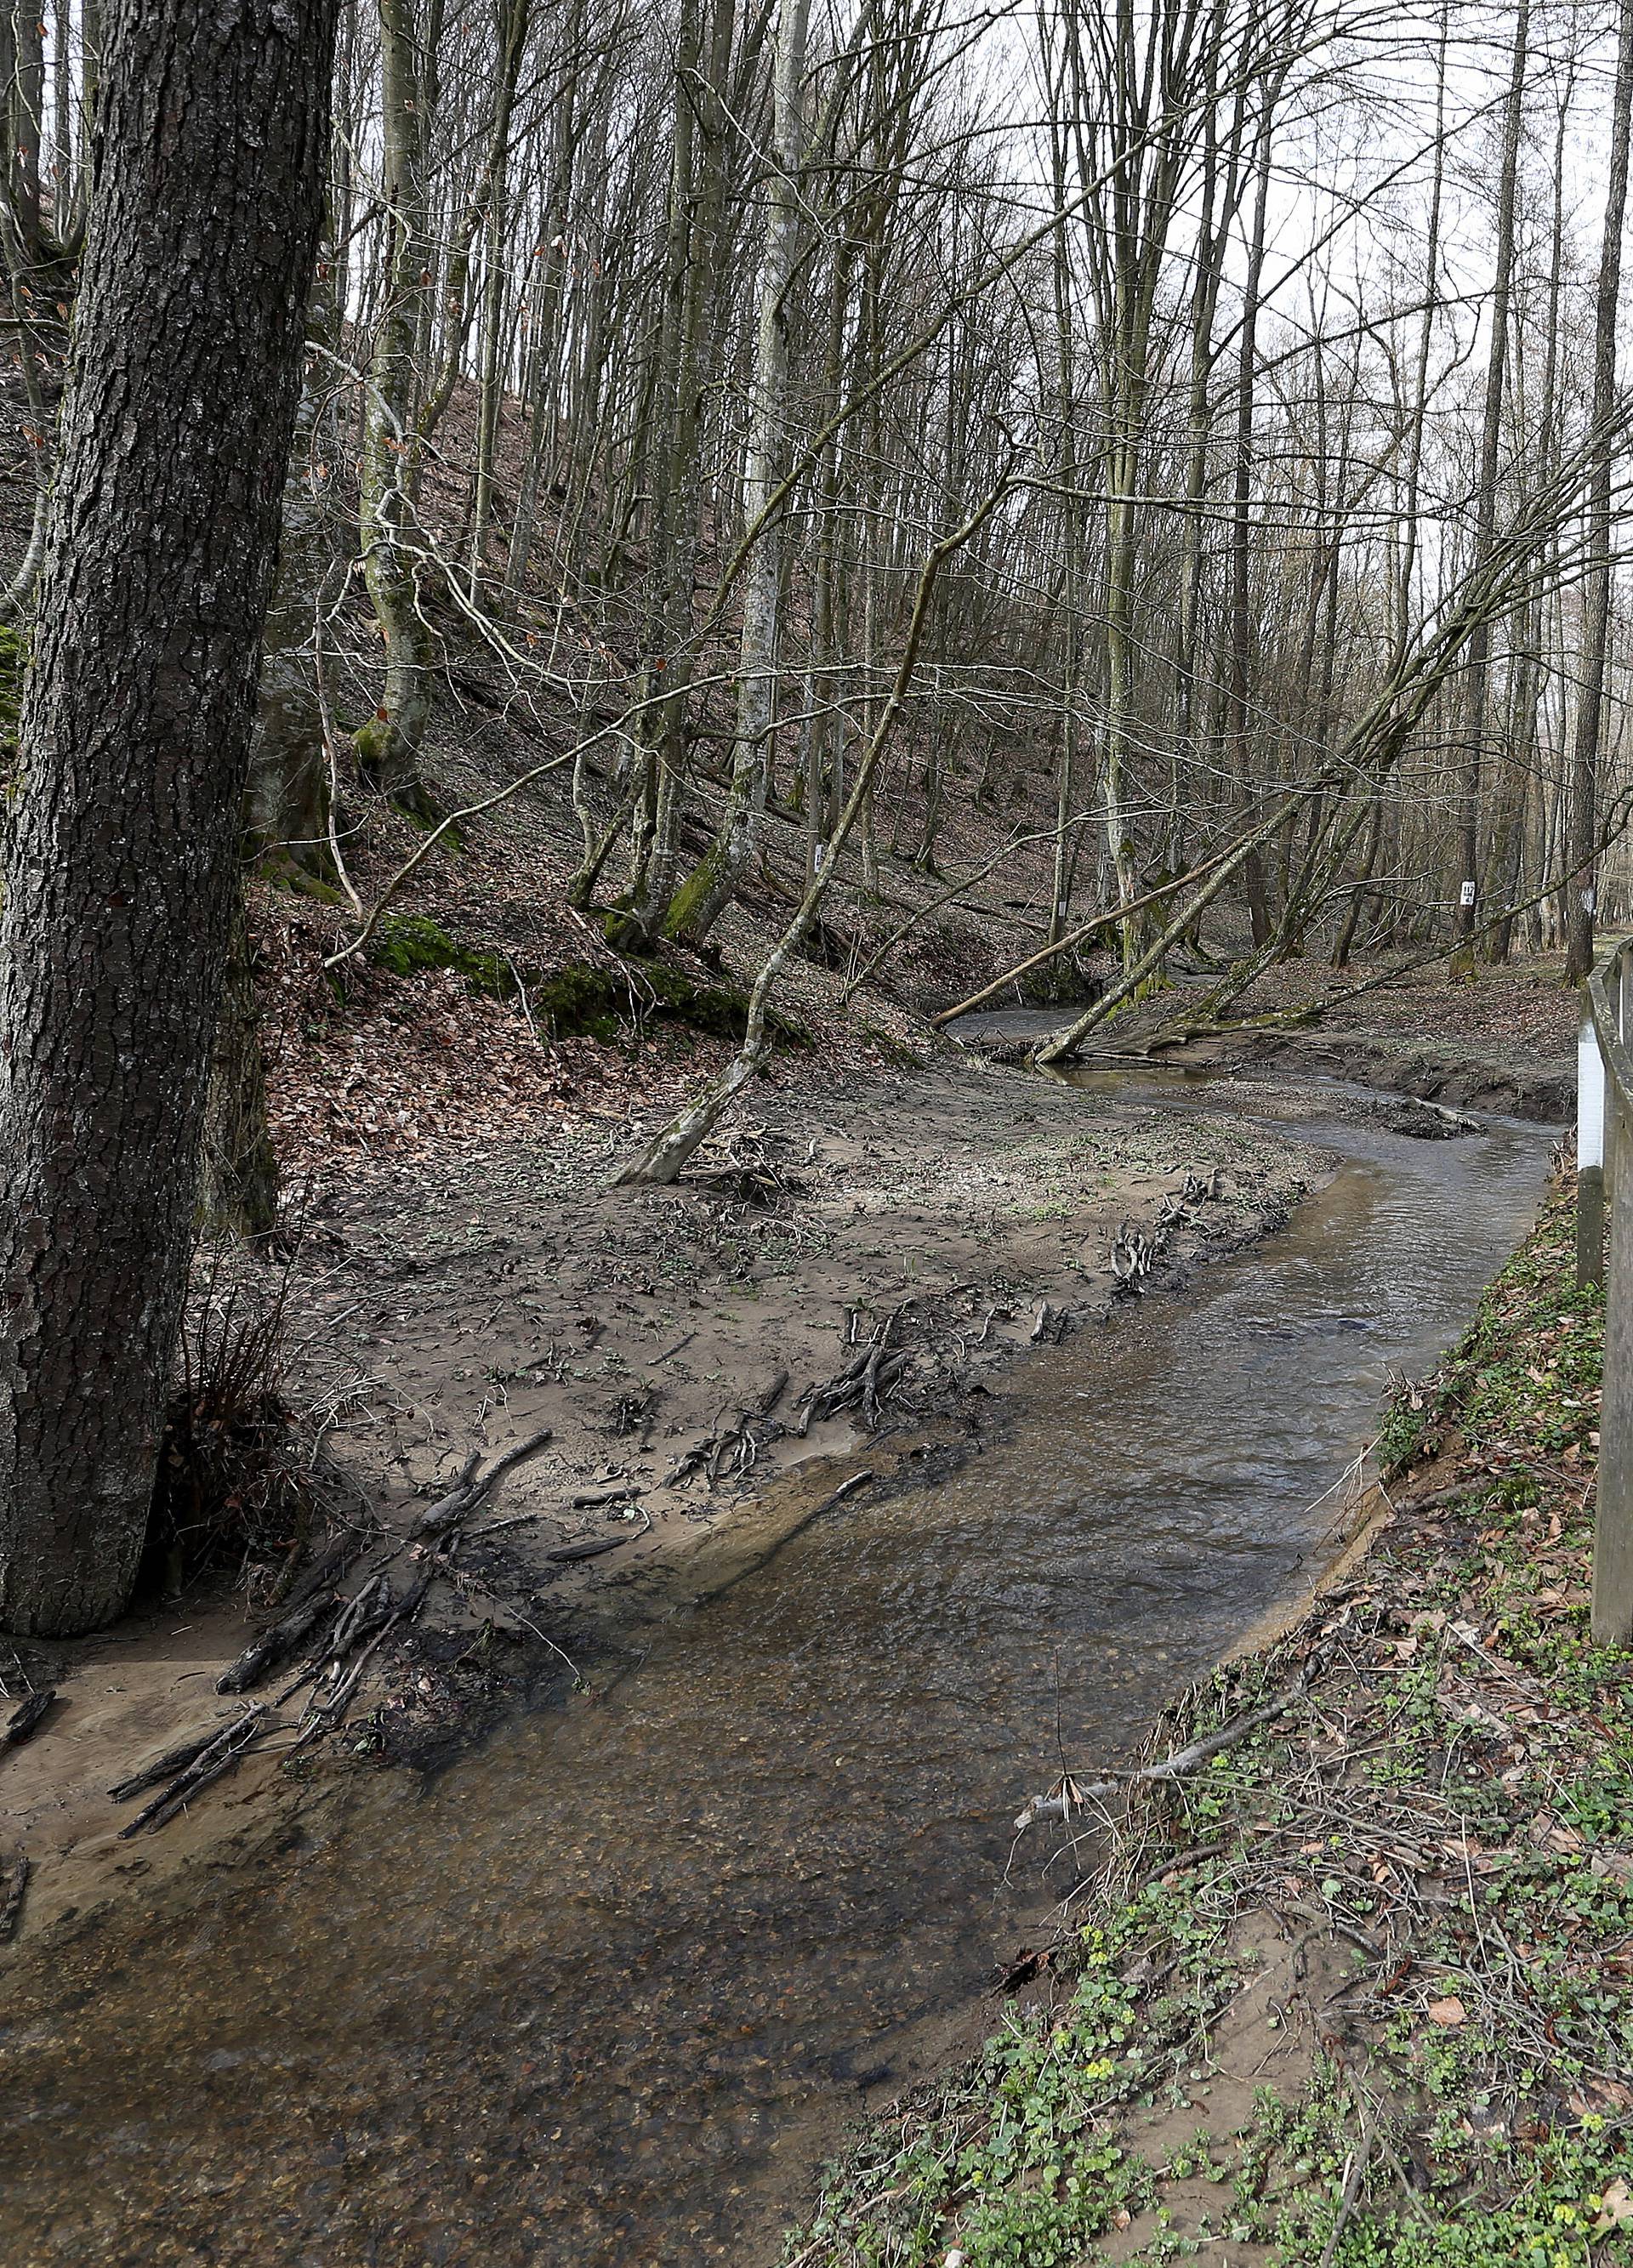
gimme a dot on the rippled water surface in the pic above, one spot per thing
(602, 1994)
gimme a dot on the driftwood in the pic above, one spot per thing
(372, 1627)
(170, 1761)
(735, 1441)
(1416, 1115)
(865, 1384)
(745, 1174)
(499, 1526)
(473, 1488)
(13, 1883)
(591, 1549)
(738, 1442)
(361, 1617)
(1135, 1254)
(221, 1755)
(1070, 1795)
(315, 1602)
(27, 1717)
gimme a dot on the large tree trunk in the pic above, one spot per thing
(121, 860)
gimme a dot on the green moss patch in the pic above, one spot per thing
(578, 1000)
(13, 668)
(407, 943)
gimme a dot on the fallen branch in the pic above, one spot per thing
(1108, 919)
(169, 1761)
(374, 1625)
(317, 1599)
(220, 1756)
(736, 1439)
(27, 1718)
(865, 1383)
(471, 1491)
(565, 1554)
(1354, 2174)
(11, 1898)
(1071, 1795)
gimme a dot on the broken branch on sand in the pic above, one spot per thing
(27, 1719)
(220, 1756)
(318, 1598)
(15, 1883)
(471, 1491)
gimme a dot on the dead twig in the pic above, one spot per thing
(472, 1489)
(1072, 1795)
(221, 1755)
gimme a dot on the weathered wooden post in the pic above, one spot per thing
(1612, 1619)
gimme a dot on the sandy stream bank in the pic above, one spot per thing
(469, 1301)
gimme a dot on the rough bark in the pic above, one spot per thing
(121, 861)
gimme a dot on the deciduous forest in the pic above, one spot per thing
(804, 803)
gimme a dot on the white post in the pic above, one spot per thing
(1590, 1156)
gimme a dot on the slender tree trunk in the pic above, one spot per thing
(287, 804)
(1485, 503)
(511, 23)
(705, 895)
(121, 853)
(389, 746)
(674, 447)
(1583, 818)
(238, 1195)
(1242, 638)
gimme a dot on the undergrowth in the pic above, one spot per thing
(1434, 1839)
(239, 1491)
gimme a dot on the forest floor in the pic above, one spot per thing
(448, 1109)
(1354, 1985)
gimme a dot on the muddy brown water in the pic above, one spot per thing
(606, 1990)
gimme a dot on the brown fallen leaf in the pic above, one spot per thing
(1448, 2014)
(1615, 2206)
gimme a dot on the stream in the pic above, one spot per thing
(607, 1991)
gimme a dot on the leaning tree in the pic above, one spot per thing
(125, 815)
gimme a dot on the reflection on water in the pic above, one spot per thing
(602, 1994)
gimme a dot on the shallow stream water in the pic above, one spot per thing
(605, 1991)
